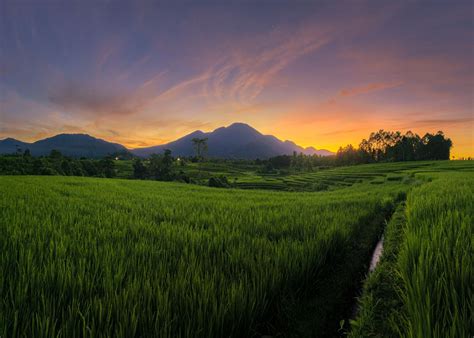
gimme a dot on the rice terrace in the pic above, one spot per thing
(174, 220)
(125, 258)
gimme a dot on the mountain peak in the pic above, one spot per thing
(196, 133)
(66, 135)
(238, 129)
(75, 145)
(240, 126)
(11, 140)
(238, 140)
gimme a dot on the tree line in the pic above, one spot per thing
(161, 167)
(55, 164)
(387, 146)
(380, 146)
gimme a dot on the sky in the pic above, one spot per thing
(319, 73)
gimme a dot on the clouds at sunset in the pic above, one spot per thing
(322, 74)
(367, 88)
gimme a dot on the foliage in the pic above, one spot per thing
(107, 167)
(380, 304)
(91, 257)
(393, 146)
(296, 162)
(82, 257)
(139, 169)
(161, 166)
(200, 147)
(219, 182)
(436, 261)
(55, 164)
(424, 286)
(381, 146)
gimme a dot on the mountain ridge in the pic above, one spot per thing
(238, 141)
(74, 145)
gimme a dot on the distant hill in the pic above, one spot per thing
(74, 145)
(238, 140)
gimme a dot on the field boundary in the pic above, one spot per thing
(324, 311)
(380, 300)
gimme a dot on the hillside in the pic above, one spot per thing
(239, 140)
(74, 145)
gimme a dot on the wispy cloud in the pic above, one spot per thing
(247, 68)
(98, 101)
(372, 87)
(245, 73)
(437, 123)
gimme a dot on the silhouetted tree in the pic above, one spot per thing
(348, 155)
(393, 146)
(436, 147)
(108, 167)
(66, 168)
(139, 169)
(90, 167)
(219, 182)
(55, 154)
(200, 147)
(161, 166)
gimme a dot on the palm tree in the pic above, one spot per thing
(200, 147)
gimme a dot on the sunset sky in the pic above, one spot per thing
(320, 73)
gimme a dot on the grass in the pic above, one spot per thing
(90, 257)
(436, 260)
(102, 258)
(379, 307)
(423, 286)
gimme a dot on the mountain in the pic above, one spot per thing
(74, 145)
(10, 145)
(238, 140)
(314, 151)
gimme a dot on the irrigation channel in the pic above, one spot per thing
(374, 261)
(376, 255)
(341, 286)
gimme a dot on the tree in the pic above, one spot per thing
(281, 161)
(167, 161)
(139, 169)
(393, 146)
(55, 154)
(436, 147)
(108, 167)
(200, 147)
(161, 166)
(90, 167)
(219, 182)
(347, 155)
(66, 168)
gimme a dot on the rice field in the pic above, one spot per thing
(425, 284)
(90, 257)
(436, 260)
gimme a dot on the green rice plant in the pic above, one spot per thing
(85, 257)
(379, 306)
(436, 260)
(423, 286)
